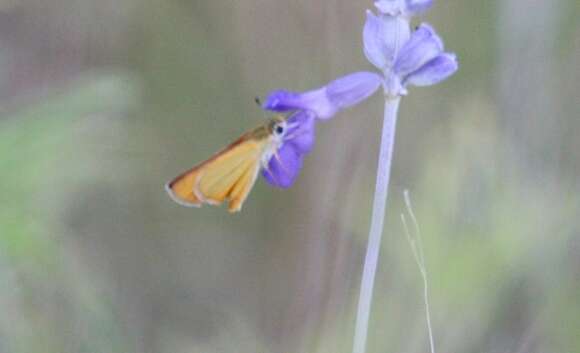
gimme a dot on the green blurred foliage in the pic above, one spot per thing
(33, 141)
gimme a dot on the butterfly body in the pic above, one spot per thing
(231, 173)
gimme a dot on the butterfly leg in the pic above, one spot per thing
(279, 160)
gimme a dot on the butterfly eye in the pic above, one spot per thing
(279, 130)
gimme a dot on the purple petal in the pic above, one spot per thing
(382, 36)
(300, 133)
(374, 47)
(423, 46)
(391, 7)
(284, 166)
(324, 102)
(283, 169)
(436, 70)
(415, 7)
(282, 101)
(402, 7)
(352, 89)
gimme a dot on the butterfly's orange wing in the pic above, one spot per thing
(230, 174)
(242, 187)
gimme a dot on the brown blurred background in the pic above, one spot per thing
(102, 101)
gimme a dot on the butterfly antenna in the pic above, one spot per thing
(258, 101)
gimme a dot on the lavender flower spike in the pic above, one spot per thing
(404, 58)
(326, 101)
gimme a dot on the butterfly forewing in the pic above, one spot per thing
(181, 188)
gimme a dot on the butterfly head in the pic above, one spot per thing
(278, 128)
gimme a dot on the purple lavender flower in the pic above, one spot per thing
(405, 58)
(318, 104)
(326, 101)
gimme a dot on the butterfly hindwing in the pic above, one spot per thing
(240, 191)
(230, 174)
(221, 175)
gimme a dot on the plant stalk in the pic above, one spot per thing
(377, 221)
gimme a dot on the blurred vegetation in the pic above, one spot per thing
(102, 101)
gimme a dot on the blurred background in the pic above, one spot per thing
(102, 101)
